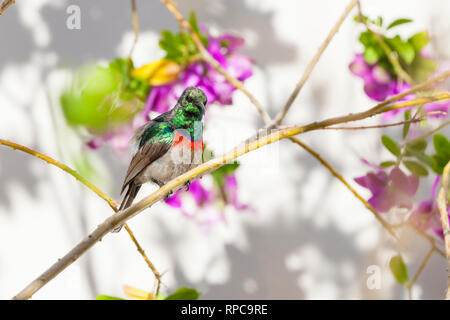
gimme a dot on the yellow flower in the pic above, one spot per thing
(137, 294)
(158, 72)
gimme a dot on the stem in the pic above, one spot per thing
(428, 133)
(280, 116)
(63, 167)
(5, 5)
(442, 204)
(419, 271)
(341, 178)
(376, 126)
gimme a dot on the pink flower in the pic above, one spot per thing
(427, 216)
(388, 191)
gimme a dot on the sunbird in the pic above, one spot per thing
(166, 146)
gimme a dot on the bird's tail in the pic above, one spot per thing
(128, 200)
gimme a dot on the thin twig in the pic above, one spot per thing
(122, 216)
(280, 116)
(5, 5)
(147, 260)
(92, 187)
(135, 25)
(442, 204)
(63, 167)
(428, 133)
(430, 239)
(376, 126)
(213, 62)
(341, 178)
(419, 271)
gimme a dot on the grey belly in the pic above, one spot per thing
(172, 164)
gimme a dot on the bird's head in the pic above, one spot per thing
(193, 103)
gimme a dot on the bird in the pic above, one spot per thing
(167, 146)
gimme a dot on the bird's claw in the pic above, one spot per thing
(188, 184)
(168, 195)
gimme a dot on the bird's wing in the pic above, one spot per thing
(153, 142)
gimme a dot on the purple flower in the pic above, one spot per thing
(388, 191)
(427, 215)
(378, 83)
(216, 87)
(232, 194)
(209, 204)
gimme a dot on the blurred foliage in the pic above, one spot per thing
(409, 51)
(180, 47)
(399, 269)
(413, 155)
(103, 96)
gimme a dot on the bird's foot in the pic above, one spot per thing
(168, 195)
(188, 184)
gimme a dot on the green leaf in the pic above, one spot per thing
(404, 49)
(441, 144)
(220, 174)
(105, 297)
(424, 158)
(416, 168)
(366, 38)
(421, 68)
(399, 269)
(386, 164)
(379, 21)
(442, 156)
(193, 22)
(184, 294)
(406, 125)
(418, 145)
(398, 22)
(371, 55)
(419, 40)
(391, 145)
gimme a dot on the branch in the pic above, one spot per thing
(147, 260)
(428, 133)
(442, 204)
(5, 5)
(85, 182)
(341, 178)
(280, 116)
(122, 216)
(377, 126)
